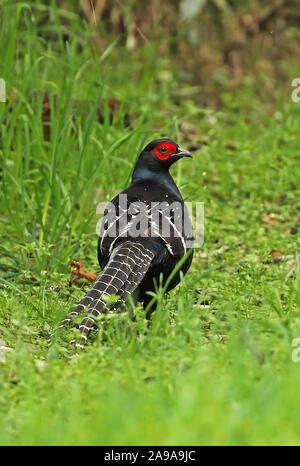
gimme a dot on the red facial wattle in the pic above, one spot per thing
(164, 150)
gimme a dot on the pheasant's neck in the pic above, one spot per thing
(162, 177)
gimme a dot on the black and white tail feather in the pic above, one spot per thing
(125, 270)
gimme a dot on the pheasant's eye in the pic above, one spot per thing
(164, 149)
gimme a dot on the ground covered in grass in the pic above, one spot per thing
(217, 364)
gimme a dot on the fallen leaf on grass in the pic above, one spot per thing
(269, 218)
(78, 272)
(275, 253)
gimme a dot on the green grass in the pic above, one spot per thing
(215, 367)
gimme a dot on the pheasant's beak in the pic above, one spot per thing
(183, 153)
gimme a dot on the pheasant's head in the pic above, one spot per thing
(162, 153)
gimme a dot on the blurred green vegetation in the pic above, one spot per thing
(86, 89)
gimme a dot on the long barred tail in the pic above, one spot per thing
(121, 276)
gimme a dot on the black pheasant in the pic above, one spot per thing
(146, 230)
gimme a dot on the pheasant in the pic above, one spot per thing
(146, 232)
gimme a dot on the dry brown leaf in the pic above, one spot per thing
(78, 272)
(269, 218)
(275, 253)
